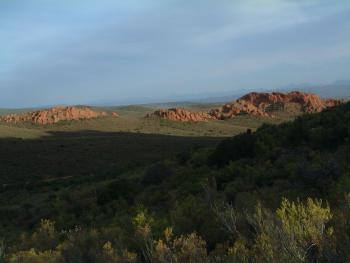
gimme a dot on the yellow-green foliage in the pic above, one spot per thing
(296, 232)
(110, 255)
(239, 252)
(79, 246)
(33, 256)
(44, 238)
(305, 225)
(142, 223)
(188, 248)
(185, 248)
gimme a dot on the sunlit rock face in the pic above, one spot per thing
(257, 104)
(54, 115)
(179, 114)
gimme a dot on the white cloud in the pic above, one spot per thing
(173, 44)
(309, 55)
(252, 17)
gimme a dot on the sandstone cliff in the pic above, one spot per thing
(255, 104)
(54, 115)
(260, 104)
(179, 114)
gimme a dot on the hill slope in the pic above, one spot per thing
(213, 193)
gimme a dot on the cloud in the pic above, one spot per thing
(125, 48)
(263, 16)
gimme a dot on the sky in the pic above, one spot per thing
(117, 51)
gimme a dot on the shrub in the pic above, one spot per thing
(33, 256)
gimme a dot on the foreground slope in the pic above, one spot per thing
(212, 192)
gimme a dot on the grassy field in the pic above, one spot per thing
(45, 167)
(106, 146)
(87, 153)
(132, 119)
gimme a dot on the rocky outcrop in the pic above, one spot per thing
(255, 104)
(179, 114)
(239, 107)
(260, 104)
(54, 115)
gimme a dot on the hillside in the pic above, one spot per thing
(254, 104)
(212, 192)
(265, 104)
(132, 119)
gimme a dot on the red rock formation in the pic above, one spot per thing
(257, 103)
(178, 114)
(229, 111)
(54, 115)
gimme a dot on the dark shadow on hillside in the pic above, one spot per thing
(87, 154)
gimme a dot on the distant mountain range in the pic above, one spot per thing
(338, 89)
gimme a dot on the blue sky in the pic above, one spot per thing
(88, 51)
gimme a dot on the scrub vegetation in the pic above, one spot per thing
(274, 193)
